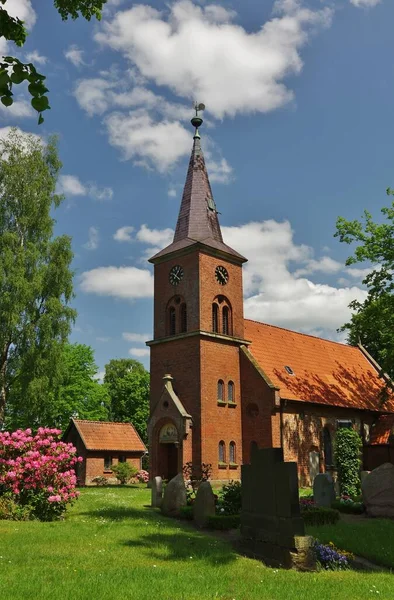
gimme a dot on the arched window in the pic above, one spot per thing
(226, 320)
(230, 392)
(183, 318)
(222, 452)
(172, 320)
(221, 390)
(215, 317)
(327, 447)
(232, 453)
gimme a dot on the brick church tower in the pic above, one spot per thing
(195, 408)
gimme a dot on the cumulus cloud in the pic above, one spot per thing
(19, 109)
(136, 337)
(139, 352)
(123, 234)
(93, 241)
(36, 57)
(155, 237)
(365, 3)
(75, 55)
(119, 282)
(161, 46)
(23, 10)
(70, 185)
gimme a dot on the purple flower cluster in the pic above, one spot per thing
(330, 558)
(306, 503)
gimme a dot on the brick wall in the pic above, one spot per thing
(95, 464)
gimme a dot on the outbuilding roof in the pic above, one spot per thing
(103, 435)
(311, 369)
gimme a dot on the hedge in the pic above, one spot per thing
(223, 522)
(319, 515)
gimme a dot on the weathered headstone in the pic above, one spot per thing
(378, 491)
(174, 496)
(314, 465)
(157, 491)
(271, 525)
(323, 490)
(204, 504)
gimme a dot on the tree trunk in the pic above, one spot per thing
(3, 387)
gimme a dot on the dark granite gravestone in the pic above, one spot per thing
(272, 528)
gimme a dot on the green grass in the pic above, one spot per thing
(111, 547)
(372, 538)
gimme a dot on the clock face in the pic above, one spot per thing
(176, 275)
(221, 275)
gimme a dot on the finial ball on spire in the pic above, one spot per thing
(197, 121)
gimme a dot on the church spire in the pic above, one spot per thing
(198, 217)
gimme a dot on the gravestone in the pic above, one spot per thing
(157, 491)
(323, 490)
(174, 496)
(272, 528)
(204, 504)
(378, 492)
(314, 465)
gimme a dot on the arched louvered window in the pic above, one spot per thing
(221, 390)
(215, 318)
(183, 318)
(230, 392)
(222, 452)
(226, 320)
(232, 453)
(172, 320)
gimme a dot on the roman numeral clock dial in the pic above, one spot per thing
(221, 275)
(176, 275)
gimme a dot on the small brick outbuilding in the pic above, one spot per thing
(103, 445)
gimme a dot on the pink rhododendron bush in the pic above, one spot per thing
(37, 476)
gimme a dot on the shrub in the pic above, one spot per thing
(124, 471)
(330, 558)
(37, 470)
(347, 456)
(223, 522)
(319, 515)
(100, 480)
(194, 475)
(347, 505)
(186, 512)
(229, 502)
(11, 511)
(142, 476)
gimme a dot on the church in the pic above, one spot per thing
(222, 384)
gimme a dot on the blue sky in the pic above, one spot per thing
(298, 130)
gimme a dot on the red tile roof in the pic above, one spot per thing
(100, 435)
(325, 372)
(382, 429)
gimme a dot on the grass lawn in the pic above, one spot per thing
(111, 547)
(371, 538)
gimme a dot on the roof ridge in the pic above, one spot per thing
(104, 422)
(315, 337)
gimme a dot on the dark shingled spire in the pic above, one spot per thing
(198, 218)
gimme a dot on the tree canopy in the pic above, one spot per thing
(13, 71)
(372, 321)
(127, 382)
(35, 278)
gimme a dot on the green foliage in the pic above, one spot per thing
(79, 394)
(319, 515)
(352, 508)
(11, 511)
(100, 480)
(186, 512)
(230, 502)
(348, 446)
(35, 279)
(372, 321)
(124, 471)
(127, 382)
(223, 522)
(13, 71)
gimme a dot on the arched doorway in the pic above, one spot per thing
(168, 451)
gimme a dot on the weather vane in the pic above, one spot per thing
(197, 120)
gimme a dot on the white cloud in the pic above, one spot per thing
(23, 10)
(172, 191)
(365, 3)
(74, 55)
(19, 109)
(279, 295)
(161, 46)
(323, 265)
(123, 234)
(70, 185)
(93, 241)
(36, 57)
(99, 376)
(140, 352)
(155, 237)
(136, 337)
(118, 282)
